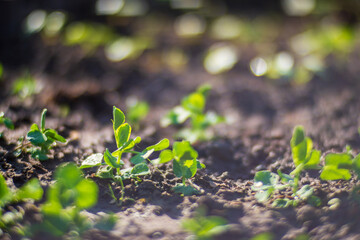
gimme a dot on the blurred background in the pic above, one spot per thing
(112, 52)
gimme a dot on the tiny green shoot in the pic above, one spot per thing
(112, 167)
(6, 121)
(66, 198)
(192, 107)
(29, 191)
(42, 138)
(204, 227)
(185, 165)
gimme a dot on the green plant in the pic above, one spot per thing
(25, 86)
(66, 198)
(192, 107)
(6, 121)
(185, 165)
(136, 111)
(204, 227)
(29, 191)
(304, 157)
(112, 166)
(42, 138)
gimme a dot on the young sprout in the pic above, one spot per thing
(6, 121)
(185, 165)
(192, 107)
(112, 167)
(42, 138)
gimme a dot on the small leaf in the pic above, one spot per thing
(36, 137)
(140, 169)
(305, 192)
(69, 175)
(356, 165)
(92, 161)
(122, 134)
(266, 178)
(164, 143)
(184, 150)
(186, 190)
(166, 156)
(8, 123)
(31, 190)
(264, 195)
(111, 160)
(314, 159)
(52, 134)
(105, 172)
(176, 116)
(5, 194)
(333, 173)
(43, 117)
(39, 154)
(87, 194)
(195, 102)
(200, 165)
(141, 157)
(119, 118)
(282, 203)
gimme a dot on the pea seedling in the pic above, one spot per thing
(29, 191)
(25, 86)
(66, 198)
(42, 138)
(192, 107)
(112, 166)
(204, 227)
(6, 121)
(185, 165)
(304, 157)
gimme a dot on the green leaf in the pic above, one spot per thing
(5, 194)
(30, 190)
(200, 165)
(119, 118)
(331, 172)
(111, 160)
(356, 165)
(166, 156)
(87, 194)
(177, 169)
(141, 157)
(299, 145)
(8, 123)
(338, 159)
(282, 203)
(264, 180)
(43, 117)
(164, 143)
(186, 190)
(195, 102)
(69, 175)
(184, 150)
(39, 154)
(105, 172)
(36, 137)
(313, 160)
(264, 195)
(140, 169)
(92, 161)
(52, 134)
(122, 134)
(305, 192)
(176, 116)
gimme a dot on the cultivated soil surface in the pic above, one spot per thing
(262, 116)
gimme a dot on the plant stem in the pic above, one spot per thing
(122, 190)
(183, 180)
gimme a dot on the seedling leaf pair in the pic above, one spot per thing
(43, 137)
(338, 166)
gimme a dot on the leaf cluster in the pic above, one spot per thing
(204, 227)
(113, 160)
(66, 198)
(29, 191)
(42, 138)
(185, 165)
(192, 107)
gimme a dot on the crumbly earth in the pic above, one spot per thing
(262, 116)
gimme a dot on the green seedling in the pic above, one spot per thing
(112, 166)
(25, 86)
(6, 121)
(30, 191)
(185, 165)
(1, 71)
(42, 138)
(303, 154)
(66, 199)
(304, 157)
(204, 227)
(192, 107)
(136, 111)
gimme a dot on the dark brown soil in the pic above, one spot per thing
(263, 114)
